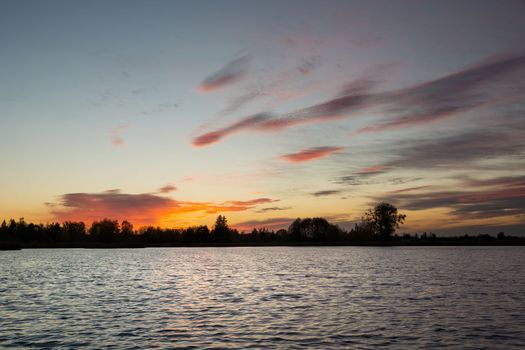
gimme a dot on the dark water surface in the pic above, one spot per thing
(264, 298)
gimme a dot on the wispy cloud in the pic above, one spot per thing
(410, 189)
(251, 202)
(265, 122)
(167, 189)
(506, 181)
(464, 90)
(227, 75)
(479, 85)
(228, 206)
(374, 169)
(325, 193)
(477, 199)
(365, 176)
(372, 178)
(457, 151)
(310, 154)
(216, 136)
(237, 102)
(331, 110)
(265, 210)
(283, 86)
(355, 180)
(308, 65)
(159, 108)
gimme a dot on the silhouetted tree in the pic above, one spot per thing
(281, 234)
(202, 234)
(189, 235)
(149, 234)
(54, 232)
(362, 232)
(378, 222)
(294, 230)
(73, 231)
(126, 230)
(221, 231)
(104, 231)
(383, 220)
(313, 229)
(4, 233)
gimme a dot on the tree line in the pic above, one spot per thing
(378, 225)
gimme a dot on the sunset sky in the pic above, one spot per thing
(172, 112)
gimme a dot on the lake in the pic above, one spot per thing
(263, 298)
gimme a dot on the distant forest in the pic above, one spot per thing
(377, 227)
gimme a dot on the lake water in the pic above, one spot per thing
(264, 298)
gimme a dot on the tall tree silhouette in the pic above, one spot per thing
(221, 231)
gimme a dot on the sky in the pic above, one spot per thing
(170, 113)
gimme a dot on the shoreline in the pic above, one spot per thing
(83, 245)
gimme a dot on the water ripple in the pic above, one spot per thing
(263, 298)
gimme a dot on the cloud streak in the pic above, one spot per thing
(279, 88)
(457, 151)
(325, 193)
(478, 199)
(473, 87)
(227, 75)
(265, 122)
(215, 136)
(251, 202)
(167, 189)
(374, 169)
(310, 154)
(410, 189)
(461, 91)
(265, 210)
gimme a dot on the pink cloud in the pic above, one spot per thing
(331, 110)
(116, 135)
(310, 154)
(117, 141)
(374, 169)
(209, 138)
(215, 136)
